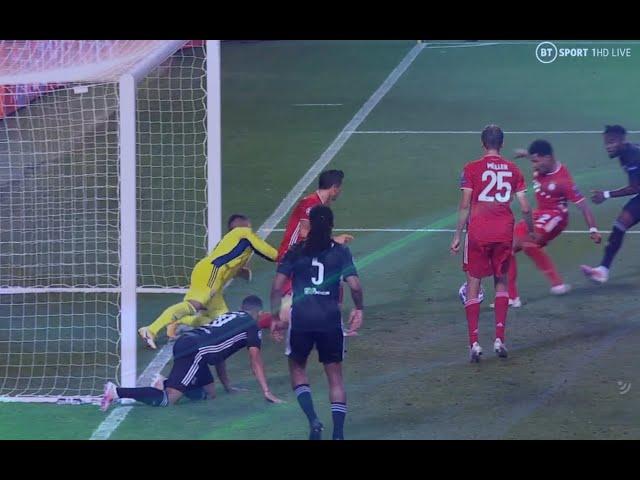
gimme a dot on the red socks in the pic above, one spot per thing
(544, 263)
(501, 307)
(472, 308)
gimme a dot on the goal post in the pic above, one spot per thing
(109, 187)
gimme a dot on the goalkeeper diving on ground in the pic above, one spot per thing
(204, 301)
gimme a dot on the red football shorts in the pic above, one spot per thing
(486, 259)
(548, 223)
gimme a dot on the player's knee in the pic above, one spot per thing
(617, 234)
(196, 306)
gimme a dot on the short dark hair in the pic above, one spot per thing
(329, 178)
(540, 147)
(234, 217)
(492, 137)
(252, 301)
(615, 130)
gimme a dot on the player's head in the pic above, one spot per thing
(541, 154)
(238, 220)
(252, 305)
(492, 137)
(614, 138)
(319, 238)
(331, 181)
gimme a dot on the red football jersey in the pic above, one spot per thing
(494, 181)
(555, 189)
(300, 212)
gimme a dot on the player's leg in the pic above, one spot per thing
(204, 386)
(298, 348)
(169, 316)
(548, 225)
(330, 347)
(149, 395)
(501, 255)
(189, 371)
(478, 266)
(519, 236)
(629, 216)
(206, 282)
(198, 295)
(215, 307)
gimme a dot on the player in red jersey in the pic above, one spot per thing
(554, 188)
(488, 186)
(298, 226)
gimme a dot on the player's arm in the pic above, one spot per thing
(221, 370)
(305, 228)
(633, 170)
(356, 317)
(525, 208)
(590, 220)
(276, 300)
(257, 366)
(463, 218)
(261, 247)
(599, 196)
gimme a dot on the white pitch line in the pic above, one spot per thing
(317, 104)
(469, 45)
(116, 417)
(340, 140)
(478, 132)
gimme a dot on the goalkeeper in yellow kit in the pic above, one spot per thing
(204, 301)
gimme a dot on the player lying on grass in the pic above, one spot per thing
(194, 351)
(204, 301)
(554, 188)
(488, 186)
(615, 142)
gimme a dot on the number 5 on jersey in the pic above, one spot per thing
(502, 191)
(320, 278)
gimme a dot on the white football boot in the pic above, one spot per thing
(109, 396)
(500, 348)
(148, 337)
(475, 352)
(598, 274)
(561, 289)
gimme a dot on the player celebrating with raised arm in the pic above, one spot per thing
(554, 188)
(204, 301)
(629, 154)
(316, 268)
(210, 344)
(488, 186)
(329, 189)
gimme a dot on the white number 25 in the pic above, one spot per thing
(496, 179)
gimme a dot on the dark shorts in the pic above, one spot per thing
(186, 373)
(633, 208)
(330, 345)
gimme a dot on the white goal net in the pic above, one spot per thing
(61, 202)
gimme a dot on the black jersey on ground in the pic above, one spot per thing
(224, 336)
(316, 285)
(630, 162)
